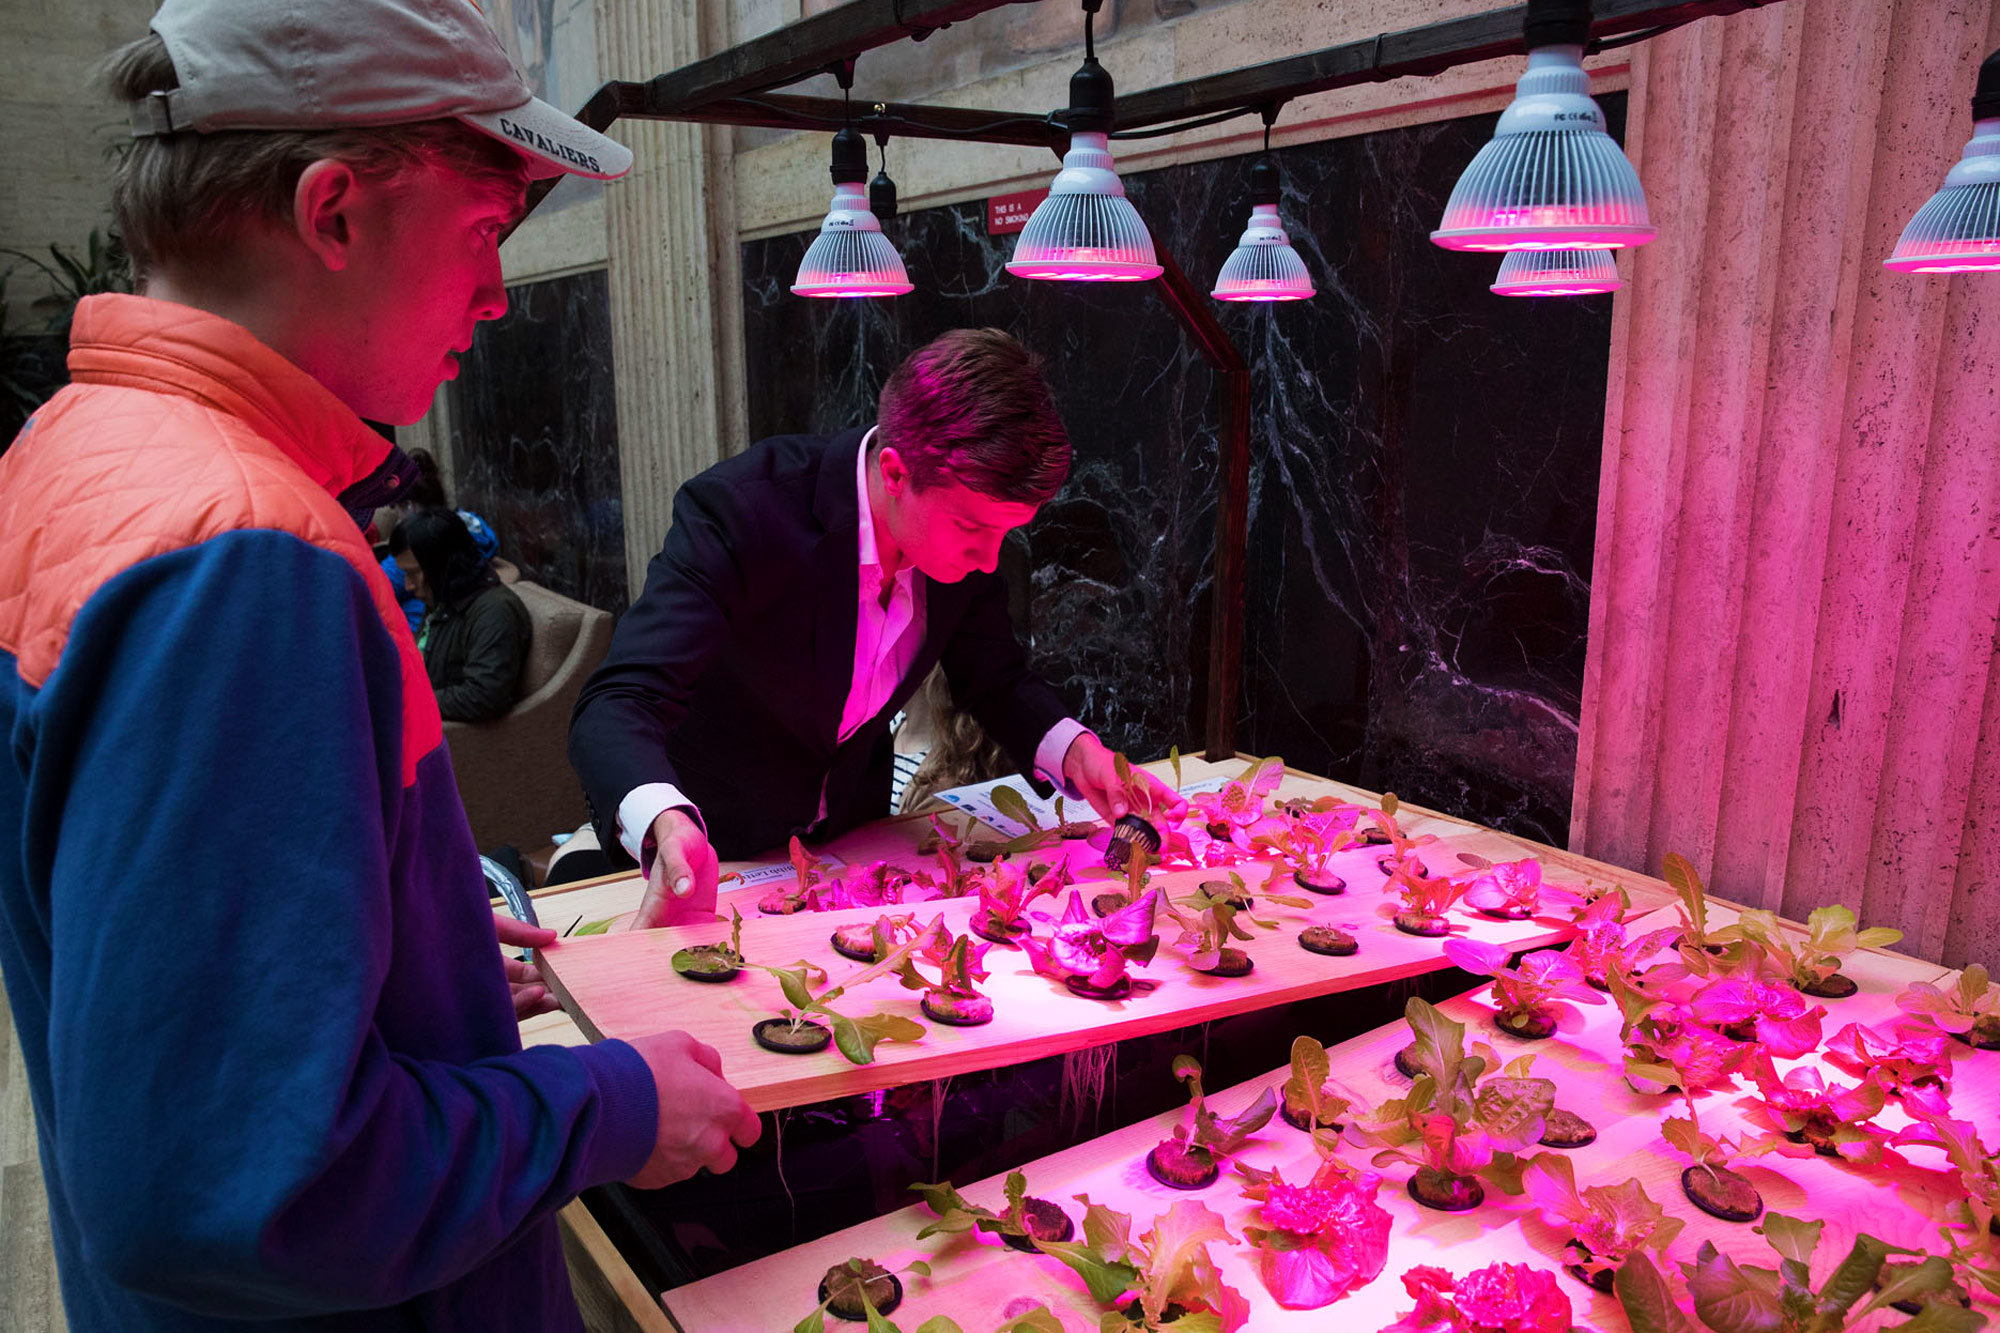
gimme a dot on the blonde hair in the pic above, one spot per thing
(960, 752)
(179, 197)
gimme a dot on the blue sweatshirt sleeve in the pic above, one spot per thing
(217, 804)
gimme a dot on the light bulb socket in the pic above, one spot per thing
(1986, 97)
(1557, 23)
(1091, 96)
(850, 157)
(882, 195)
(1265, 185)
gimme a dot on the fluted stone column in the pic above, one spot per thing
(676, 311)
(1792, 674)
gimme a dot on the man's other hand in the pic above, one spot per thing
(531, 996)
(681, 885)
(702, 1119)
(1093, 770)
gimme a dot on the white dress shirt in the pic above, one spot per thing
(887, 637)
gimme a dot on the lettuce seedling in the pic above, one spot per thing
(1090, 955)
(1741, 1298)
(1911, 1061)
(1529, 995)
(851, 1287)
(1211, 920)
(1666, 1048)
(1514, 890)
(1601, 944)
(866, 941)
(1402, 851)
(1817, 1117)
(1776, 1018)
(1701, 952)
(717, 962)
(1320, 1241)
(1004, 895)
(1163, 1282)
(1499, 1298)
(1226, 823)
(1306, 1101)
(1012, 804)
(1454, 1126)
(1426, 898)
(1969, 1011)
(954, 998)
(1193, 1156)
(856, 1038)
(1708, 1181)
(1312, 834)
(1812, 964)
(1020, 1224)
(808, 872)
(1607, 1223)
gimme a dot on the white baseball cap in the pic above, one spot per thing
(315, 64)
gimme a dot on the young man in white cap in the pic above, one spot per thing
(272, 1052)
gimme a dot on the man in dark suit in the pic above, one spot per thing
(806, 588)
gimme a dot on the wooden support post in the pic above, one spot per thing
(1232, 510)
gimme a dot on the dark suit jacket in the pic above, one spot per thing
(728, 676)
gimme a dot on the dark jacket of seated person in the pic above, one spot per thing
(475, 635)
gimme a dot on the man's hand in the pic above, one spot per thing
(531, 997)
(702, 1119)
(681, 885)
(1093, 770)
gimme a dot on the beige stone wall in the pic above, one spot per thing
(54, 176)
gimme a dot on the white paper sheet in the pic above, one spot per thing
(976, 800)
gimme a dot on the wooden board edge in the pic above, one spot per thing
(608, 1293)
(553, 980)
(595, 881)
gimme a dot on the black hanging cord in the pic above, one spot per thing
(850, 150)
(1986, 95)
(882, 190)
(1159, 131)
(1264, 184)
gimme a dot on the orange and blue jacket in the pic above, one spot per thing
(273, 1059)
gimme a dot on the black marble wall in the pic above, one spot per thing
(534, 428)
(1423, 479)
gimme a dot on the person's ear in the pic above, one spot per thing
(323, 208)
(895, 472)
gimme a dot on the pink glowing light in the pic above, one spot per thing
(1550, 178)
(1086, 230)
(1532, 271)
(1958, 229)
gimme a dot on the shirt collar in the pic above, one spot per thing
(871, 558)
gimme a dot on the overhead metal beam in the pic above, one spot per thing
(897, 119)
(800, 49)
(722, 89)
(1430, 49)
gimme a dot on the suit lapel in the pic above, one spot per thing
(836, 576)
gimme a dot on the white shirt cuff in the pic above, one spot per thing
(641, 806)
(1049, 755)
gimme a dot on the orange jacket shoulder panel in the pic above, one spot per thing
(108, 476)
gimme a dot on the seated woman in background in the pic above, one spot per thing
(475, 631)
(950, 747)
(427, 492)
